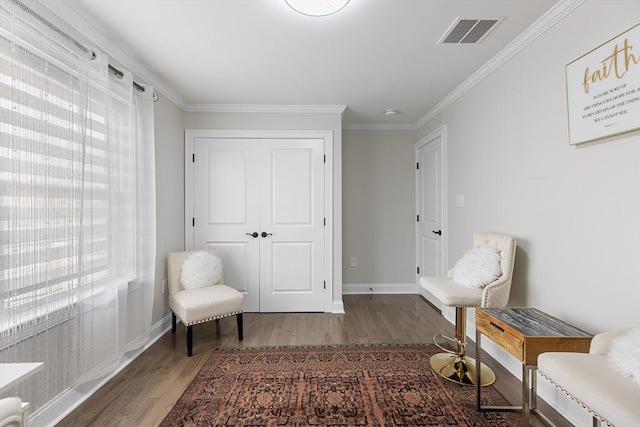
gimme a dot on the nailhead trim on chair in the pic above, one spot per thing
(592, 412)
(457, 305)
(484, 299)
(210, 318)
(490, 289)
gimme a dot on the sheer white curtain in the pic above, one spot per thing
(77, 208)
(132, 172)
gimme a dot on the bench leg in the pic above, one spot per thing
(189, 341)
(173, 322)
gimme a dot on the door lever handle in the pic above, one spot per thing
(265, 234)
(439, 232)
(254, 234)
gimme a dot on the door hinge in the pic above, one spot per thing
(418, 166)
(418, 269)
(418, 218)
(324, 158)
(193, 158)
(325, 284)
(193, 222)
(325, 222)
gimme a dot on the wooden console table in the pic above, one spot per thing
(525, 333)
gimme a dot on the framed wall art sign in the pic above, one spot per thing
(603, 89)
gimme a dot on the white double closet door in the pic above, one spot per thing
(260, 203)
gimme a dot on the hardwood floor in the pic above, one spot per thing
(144, 392)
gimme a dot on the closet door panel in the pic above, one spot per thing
(227, 211)
(292, 217)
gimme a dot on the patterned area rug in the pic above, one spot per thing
(363, 385)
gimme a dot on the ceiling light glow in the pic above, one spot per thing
(317, 7)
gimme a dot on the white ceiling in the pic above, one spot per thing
(371, 56)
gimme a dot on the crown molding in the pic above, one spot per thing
(71, 17)
(380, 126)
(265, 108)
(544, 23)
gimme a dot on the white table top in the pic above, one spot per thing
(14, 373)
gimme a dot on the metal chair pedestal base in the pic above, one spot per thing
(454, 365)
(461, 369)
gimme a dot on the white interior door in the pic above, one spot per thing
(272, 189)
(430, 206)
(227, 210)
(292, 223)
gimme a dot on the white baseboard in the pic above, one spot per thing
(378, 288)
(338, 307)
(61, 406)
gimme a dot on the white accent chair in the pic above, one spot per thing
(193, 306)
(454, 364)
(11, 414)
(589, 380)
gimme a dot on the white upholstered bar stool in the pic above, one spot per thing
(201, 304)
(453, 364)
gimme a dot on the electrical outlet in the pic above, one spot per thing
(354, 262)
(165, 285)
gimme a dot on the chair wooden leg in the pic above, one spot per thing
(239, 320)
(173, 322)
(189, 341)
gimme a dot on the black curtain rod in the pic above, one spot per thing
(119, 74)
(29, 15)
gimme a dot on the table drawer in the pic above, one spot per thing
(501, 337)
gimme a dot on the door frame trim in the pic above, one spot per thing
(440, 132)
(325, 135)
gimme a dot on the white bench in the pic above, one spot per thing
(589, 380)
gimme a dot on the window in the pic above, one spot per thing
(43, 107)
(77, 228)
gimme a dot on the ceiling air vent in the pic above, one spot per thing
(468, 30)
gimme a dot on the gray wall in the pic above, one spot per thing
(169, 134)
(378, 209)
(575, 210)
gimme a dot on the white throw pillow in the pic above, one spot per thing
(478, 267)
(624, 354)
(200, 269)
